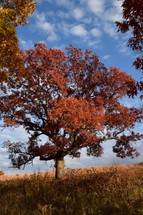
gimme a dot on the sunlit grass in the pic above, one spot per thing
(109, 190)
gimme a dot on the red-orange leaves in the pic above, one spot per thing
(115, 118)
(9, 122)
(45, 68)
(77, 114)
(117, 84)
(132, 23)
(70, 98)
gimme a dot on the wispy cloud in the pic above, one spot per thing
(79, 30)
(24, 44)
(45, 26)
(42, 22)
(118, 6)
(17, 134)
(78, 13)
(96, 32)
(88, 20)
(95, 6)
(62, 14)
(110, 30)
(94, 43)
(113, 13)
(122, 47)
(106, 57)
(65, 3)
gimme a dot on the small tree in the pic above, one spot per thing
(74, 101)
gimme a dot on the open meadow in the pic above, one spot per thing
(113, 190)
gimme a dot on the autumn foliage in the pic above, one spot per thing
(12, 14)
(133, 22)
(72, 100)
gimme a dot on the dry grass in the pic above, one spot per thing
(68, 171)
(114, 190)
(23, 176)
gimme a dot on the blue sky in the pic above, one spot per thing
(87, 25)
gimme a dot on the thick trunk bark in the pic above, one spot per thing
(59, 168)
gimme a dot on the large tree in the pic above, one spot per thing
(132, 13)
(71, 99)
(12, 14)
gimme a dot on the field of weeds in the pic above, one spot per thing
(110, 190)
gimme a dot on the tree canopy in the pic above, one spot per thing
(133, 23)
(73, 100)
(12, 14)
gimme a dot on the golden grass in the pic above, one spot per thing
(114, 190)
(77, 171)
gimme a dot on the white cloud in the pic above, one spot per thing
(118, 5)
(52, 37)
(17, 134)
(42, 23)
(95, 6)
(26, 44)
(45, 26)
(110, 30)
(103, 14)
(62, 14)
(87, 20)
(112, 15)
(106, 57)
(94, 44)
(64, 27)
(63, 2)
(66, 3)
(96, 32)
(79, 30)
(122, 47)
(78, 13)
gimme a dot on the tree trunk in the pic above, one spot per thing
(59, 168)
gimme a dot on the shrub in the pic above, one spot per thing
(1, 172)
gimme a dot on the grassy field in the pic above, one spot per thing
(108, 190)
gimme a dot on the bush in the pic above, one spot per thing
(1, 172)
